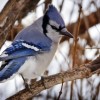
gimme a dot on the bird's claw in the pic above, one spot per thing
(27, 86)
(42, 80)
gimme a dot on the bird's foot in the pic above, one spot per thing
(27, 86)
(42, 80)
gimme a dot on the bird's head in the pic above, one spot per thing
(53, 24)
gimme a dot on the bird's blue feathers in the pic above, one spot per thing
(54, 15)
(34, 36)
(20, 53)
(18, 45)
(16, 57)
(11, 67)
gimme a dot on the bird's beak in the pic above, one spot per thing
(66, 33)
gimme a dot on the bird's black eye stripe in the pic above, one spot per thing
(53, 27)
(57, 29)
(45, 23)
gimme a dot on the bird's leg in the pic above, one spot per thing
(42, 80)
(27, 86)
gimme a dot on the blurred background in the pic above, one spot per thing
(82, 19)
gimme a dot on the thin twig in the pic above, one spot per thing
(60, 90)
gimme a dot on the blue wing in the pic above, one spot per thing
(30, 37)
(17, 49)
(16, 56)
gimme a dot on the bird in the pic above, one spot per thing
(34, 47)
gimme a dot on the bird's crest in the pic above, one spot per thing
(54, 15)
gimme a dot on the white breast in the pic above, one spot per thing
(36, 65)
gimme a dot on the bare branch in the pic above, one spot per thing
(84, 71)
(14, 12)
(92, 20)
(6, 10)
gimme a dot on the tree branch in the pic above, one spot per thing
(9, 16)
(84, 71)
(92, 20)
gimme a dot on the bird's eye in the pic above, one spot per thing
(60, 28)
(56, 28)
(53, 27)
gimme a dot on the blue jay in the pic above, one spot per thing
(34, 47)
